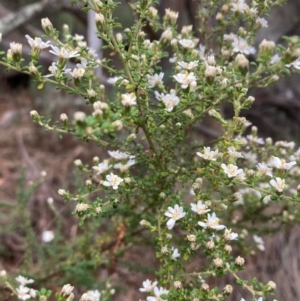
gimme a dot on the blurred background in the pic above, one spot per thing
(34, 164)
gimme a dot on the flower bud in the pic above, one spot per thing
(78, 163)
(271, 286)
(47, 26)
(178, 284)
(62, 192)
(63, 117)
(210, 245)
(228, 249)
(228, 289)
(218, 262)
(239, 261)
(242, 63)
(79, 116)
(81, 207)
(205, 287)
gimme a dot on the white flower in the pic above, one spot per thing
(229, 37)
(233, 153)
(113, 80)
(55, 71)
(67, 289)
(63, 52)
(128, 100)
(23, 292)
(170, 100)
(239, 6)
(113, 180)
(231, 170)
(175, 214)
(23, 280)
(185, 79)
(263, 169)
(91, 296)
(186, 43)
(208, 154)
(212, 222)
(148, 286)
(155, 80)
(240, 45)
(199, 208)
(101, 167)
(188, 66)
(259, 242)
(281, 163)
(37, 43)
(274, 59)
(228, 235)
(124, 167)
(119, 155)
(175, 253)
(157, 294)
(278, 184)
(262, 22)
(295, 64)
(77, 73)
(255, 139)
(47, 236)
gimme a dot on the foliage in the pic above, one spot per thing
(159, 185)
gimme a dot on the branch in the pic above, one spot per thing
(15, 20)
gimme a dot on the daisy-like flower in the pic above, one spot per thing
(113, 80)
(170, 100)
(212, 222)
(47, 236)
(259, 242)
(185, 79)
(256, 140)
(199, 208)
(274, 59)
(175, 214)
(23, 280)
(157, 294)
(239, 6)
(23, 292)
(37, 43)
(113, 180)
(281, 163)
(208, 154)
(228, 235)
(262, 22)
(233, 153)
(148, 286)
(77, 73)
(120, 155)
(55, 71)
(295, 64)
(263, 169)
(188, 66)
(175, 254)
(91, 296)
(159, 96)
(63, 52)
(278, 184)
(187, 43)
(155, 80)
(124, 167)
(101, 167)
(128, 99)
(240, 45)
(231, 170)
